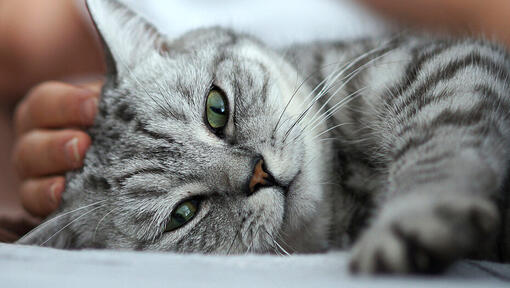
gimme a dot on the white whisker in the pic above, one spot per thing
(329, 129)
(78, 218)
(43, 225)
(101, 220)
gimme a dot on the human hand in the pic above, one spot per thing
(49, 140)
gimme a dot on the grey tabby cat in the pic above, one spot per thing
(214, 143)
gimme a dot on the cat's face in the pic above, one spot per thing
(182, 128)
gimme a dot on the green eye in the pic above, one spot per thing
(182, 214)
(216, 109)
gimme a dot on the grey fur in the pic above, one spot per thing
(396, 146)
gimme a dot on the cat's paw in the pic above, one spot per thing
(424, 237)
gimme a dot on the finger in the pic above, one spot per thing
(93, 86)
(44, 152)
(56, 105)
(40, 197)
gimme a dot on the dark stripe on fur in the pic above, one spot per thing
(155, 170)
(142, 128)
(490, 103)
(447, 117)
(124, 112)
(412, 143)
(450, 71)
(415, 66)
(434, 159)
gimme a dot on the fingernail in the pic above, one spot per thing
(73, 155)
(88, 110)
(55, 191)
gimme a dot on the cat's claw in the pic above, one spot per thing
(425, 239)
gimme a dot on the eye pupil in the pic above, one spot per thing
(219, 110)
(216, 109)
(182, 214)
(179, 219)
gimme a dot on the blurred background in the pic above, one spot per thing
(55, 40)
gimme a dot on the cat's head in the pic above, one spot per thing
(200, 145)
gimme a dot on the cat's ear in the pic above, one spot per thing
(127, 37)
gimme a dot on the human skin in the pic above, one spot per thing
(48, 142)
(44, 46)
(41, 41)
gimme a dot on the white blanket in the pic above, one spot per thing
(26, 266)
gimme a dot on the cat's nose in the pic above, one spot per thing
(261, 177)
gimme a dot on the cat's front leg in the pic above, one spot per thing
(440, 131)
(423, 235)
(436, 211)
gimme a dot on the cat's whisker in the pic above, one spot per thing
(101, 220)
(330, 129)
(319, 118)
(307, 78)
(327, 114)
(288, 103)
(78, 218)
(319, 95)
(280, 247)
(233, 240)
(304, 113)
(269, 241)
(326, 83)
(52, 220)
(299, 88)
(330, 112)
(349, 77)
(367, 137)
(322, 93)
(276, 245)
(244, 234)
(253, 240)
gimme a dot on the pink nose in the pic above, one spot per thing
(260, 177)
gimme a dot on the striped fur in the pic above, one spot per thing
(397, 147)
(427, 150)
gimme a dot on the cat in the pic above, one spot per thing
(213, 142)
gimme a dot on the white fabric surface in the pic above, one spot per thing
(28, 266)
